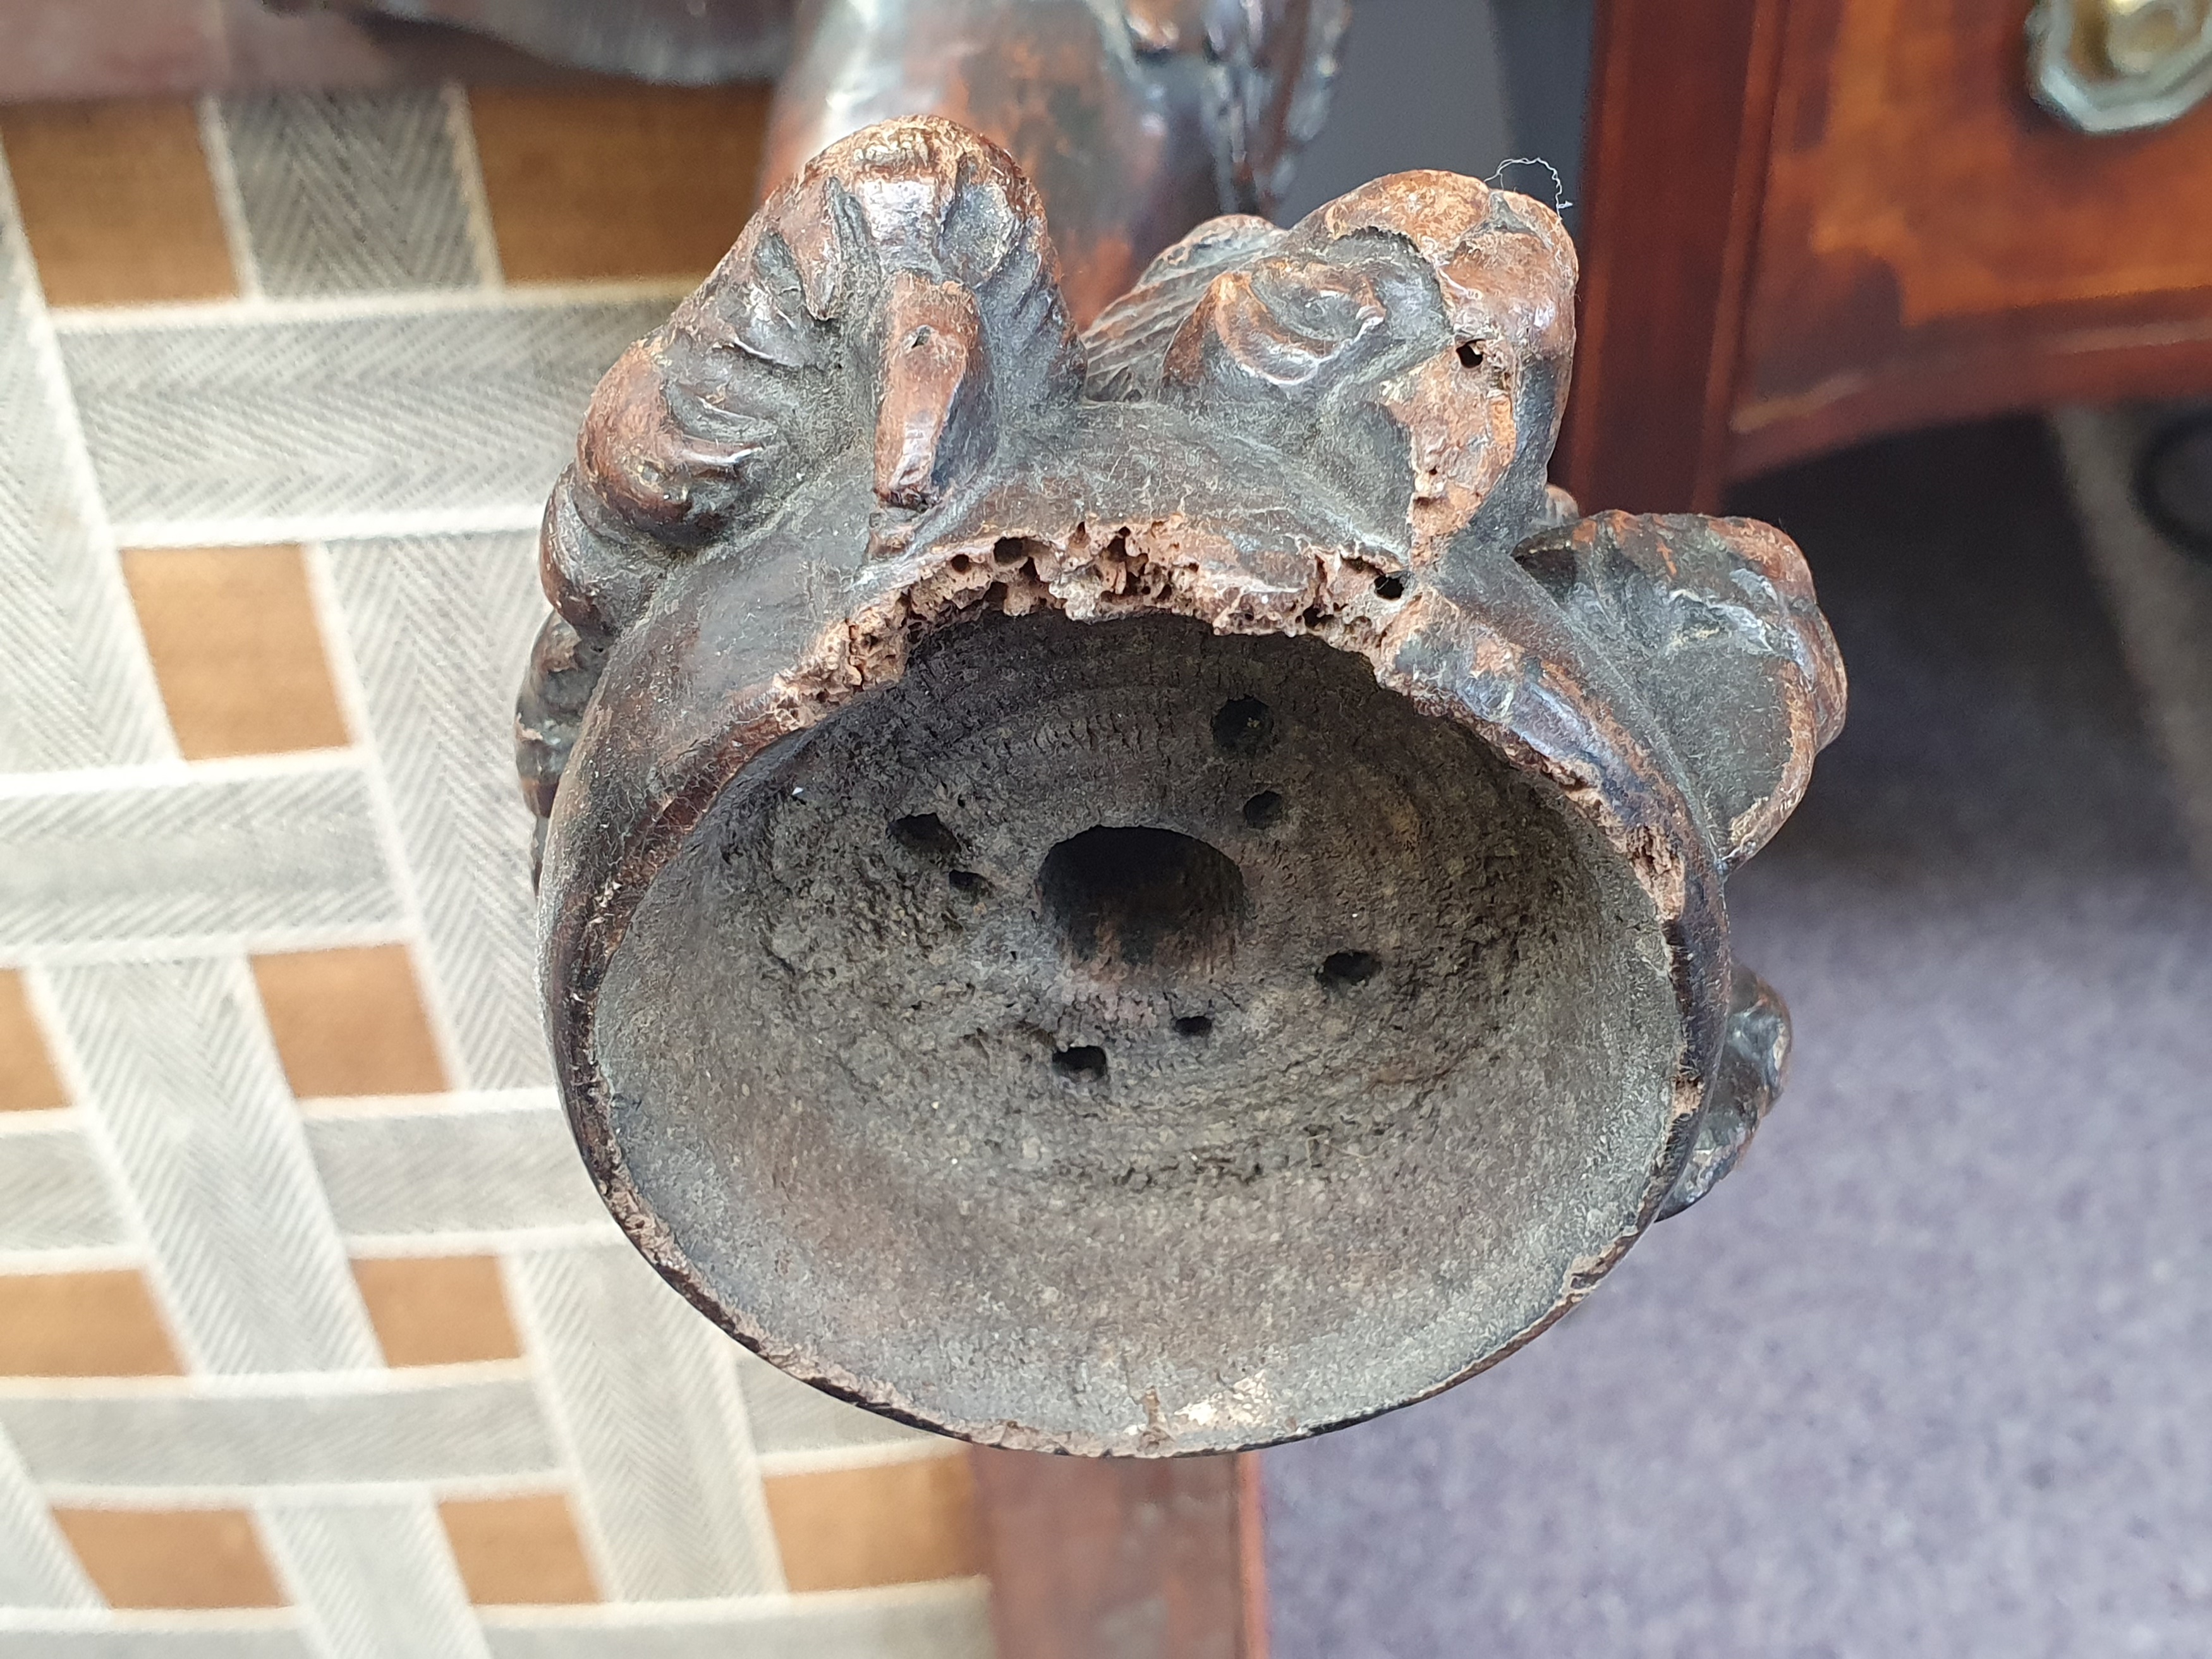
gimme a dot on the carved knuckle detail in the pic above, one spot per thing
(883, 298)
(1714, 623)
(1443, 306)
(1754, 1065)
(564, 671)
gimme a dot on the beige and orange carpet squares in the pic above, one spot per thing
(313, 1338)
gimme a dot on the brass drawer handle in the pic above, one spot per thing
(2120, 65)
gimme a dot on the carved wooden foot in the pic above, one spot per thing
(1157, 891)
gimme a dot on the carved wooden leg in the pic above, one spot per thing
(1134, 121)
(1150, 890)
(1138, 146)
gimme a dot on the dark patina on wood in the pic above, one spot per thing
(1134, 119)
(1155, 891)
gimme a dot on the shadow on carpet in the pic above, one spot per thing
(1931, 1373)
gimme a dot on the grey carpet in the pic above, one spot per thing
(1932, 1374)
(2160, 596)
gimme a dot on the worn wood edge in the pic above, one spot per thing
(1993, 378)
(1626, 229)
(1685, 885)
(1252, 1554)
(1746, 216)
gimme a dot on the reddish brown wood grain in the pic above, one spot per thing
(1681, 97)
(1122, 1559)
(1252, 1554)
(1935, 246)
(1808, 222)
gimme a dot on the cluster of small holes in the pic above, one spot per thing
(926, 836)
(1242, 728)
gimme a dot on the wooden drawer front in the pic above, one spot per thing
(1934, 245)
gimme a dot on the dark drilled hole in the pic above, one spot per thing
(1341, 969)
(1193, 1026)
(1242, 726)
(1389, 588)
(1470, 354)
(967, 881)
(1085, 1064)
(1008, 549)
(961, 561)
(924, 834)
(1264, 810)
(1141, 897)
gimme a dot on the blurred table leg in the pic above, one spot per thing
(1123, 1558)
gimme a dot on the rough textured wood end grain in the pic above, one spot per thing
(1153, 891)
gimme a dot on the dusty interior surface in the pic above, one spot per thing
(1162, 1038)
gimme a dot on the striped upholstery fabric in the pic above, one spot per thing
(313, 1338)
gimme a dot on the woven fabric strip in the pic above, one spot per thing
(74, 686)
(350, 193)
(375, 419)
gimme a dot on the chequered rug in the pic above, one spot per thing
(313, 1338)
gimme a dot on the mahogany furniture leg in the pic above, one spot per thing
(1119, 1559)
(1674, 168)
(1135, 120)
